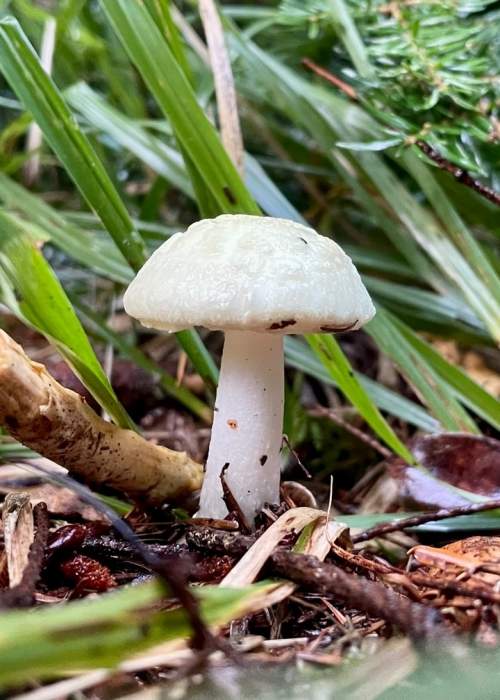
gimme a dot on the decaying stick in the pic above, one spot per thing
(419, 621)
(57, 423)
(443, 514)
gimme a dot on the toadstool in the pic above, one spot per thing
(256, 279)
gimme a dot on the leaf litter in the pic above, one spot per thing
(335, 591)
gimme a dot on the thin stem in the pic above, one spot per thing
(247, 428)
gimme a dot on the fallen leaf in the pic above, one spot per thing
(469, 462)
(465, 555)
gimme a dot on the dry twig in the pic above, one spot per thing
(232, 504)
(418, 621)
(57, 423)
(414, 520)
(461, 175)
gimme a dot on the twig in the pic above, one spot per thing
(109, 547)
(22, 595)
(232, 504)
(224, 83)
(34, 136)
(421, 518)
(216, 542)
(416, 578)
(215, 523)
(362, 562)
(449, 585)
(363, 437)
(57, 423)
(461, 175)
(323, 73)
(297, 458)
(418, 621)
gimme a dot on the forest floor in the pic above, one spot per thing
(411, 578)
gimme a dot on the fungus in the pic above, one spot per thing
(253, 278)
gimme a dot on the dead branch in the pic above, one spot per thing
(204, 539)
(414, 520)
(419, 621)
(460, 175)
(450, 586)
(57, 423)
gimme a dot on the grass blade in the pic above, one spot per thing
(329, 352)
(92, 251)
(97, 325)
(300, 356)
(153, 58)
(33, 293)
(100, 632)
(466, 390)
(428, 384)
(164, 160)
(40, 96)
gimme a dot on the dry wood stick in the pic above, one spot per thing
(419, 621)
(57, 423)
(414, 520)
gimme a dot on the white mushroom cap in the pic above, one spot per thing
(239, 272)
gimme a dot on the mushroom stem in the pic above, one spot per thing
(248, 424)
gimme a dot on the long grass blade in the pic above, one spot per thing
(467, 391)
(329, 352)
(425, 380)
(31, 290)
(41, 97)
(93, 251)
(152, 56)
(301, 357)
(97, 326)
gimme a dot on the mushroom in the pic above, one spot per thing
(257, 279)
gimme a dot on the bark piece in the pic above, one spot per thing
(22, 595)
(57, 423)
(18, 533)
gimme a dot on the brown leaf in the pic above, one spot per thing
(470, 462)
(64, 502)
(463, 555)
